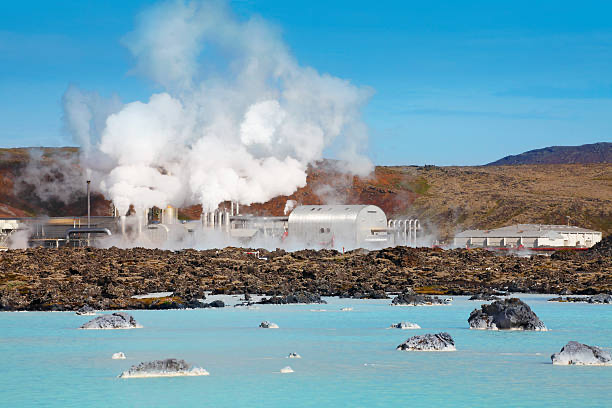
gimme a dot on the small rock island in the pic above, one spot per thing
(429, 342)
(410, 298)
(574, 353)
(117, 320)
(268, 325)
(405, 326)
(507, 314)
(170, 367)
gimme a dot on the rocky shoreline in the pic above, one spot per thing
(108, 279)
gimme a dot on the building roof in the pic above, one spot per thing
(525, 230)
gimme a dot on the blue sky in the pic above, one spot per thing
(455, 82)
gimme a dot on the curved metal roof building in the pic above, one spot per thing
(339, 225)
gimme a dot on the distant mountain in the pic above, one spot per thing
(588, 153)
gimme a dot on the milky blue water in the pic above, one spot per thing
(348, 358)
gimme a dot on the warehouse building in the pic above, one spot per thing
(529, 236)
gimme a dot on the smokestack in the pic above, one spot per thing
(88, 205)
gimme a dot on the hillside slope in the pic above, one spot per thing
(446, 199)
(588, 153)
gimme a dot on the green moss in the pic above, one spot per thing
(418, 186)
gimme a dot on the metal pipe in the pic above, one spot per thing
(417, 225)
(88, 204)
(408, 224)
(122, 218)
(398, 227)
(88, 231)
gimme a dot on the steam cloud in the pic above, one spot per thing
(58, 178)
(238, 119)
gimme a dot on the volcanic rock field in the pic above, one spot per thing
(67, 279)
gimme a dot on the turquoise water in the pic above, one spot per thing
(348, 358)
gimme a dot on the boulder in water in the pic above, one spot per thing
(574, 353)
(118, 356)
(294, 355)
(170, 367)
(268, 325)
(215, 303)
(508, 314)
(405, 326)
(86, 310)
(410, 298)
(429, 342)
(117, 320)
(601, 298)
(286, 370)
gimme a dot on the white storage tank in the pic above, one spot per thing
(336, 226)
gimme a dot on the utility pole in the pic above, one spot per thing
(88, 209)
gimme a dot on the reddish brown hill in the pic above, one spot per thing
(44, 181)
(393, 191)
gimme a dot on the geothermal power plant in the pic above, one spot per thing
(339, 226)
(307, 226)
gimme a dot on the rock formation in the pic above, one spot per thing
(117, 320)
(405, 326)
(601, 298)
(410, 298)
(574, 353)
(214, 303)
(268, 325)
(45, 279)
(487, 297)
(170, 367)
(298, 297)
(429, 342)
(86, 310)
(508, 314)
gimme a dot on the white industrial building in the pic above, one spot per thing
(529, 236)
(339, 225)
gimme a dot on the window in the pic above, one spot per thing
(322, 230)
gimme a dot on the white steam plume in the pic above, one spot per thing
(239, 118)
(289, 206)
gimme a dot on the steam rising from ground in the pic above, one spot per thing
(238, 119)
